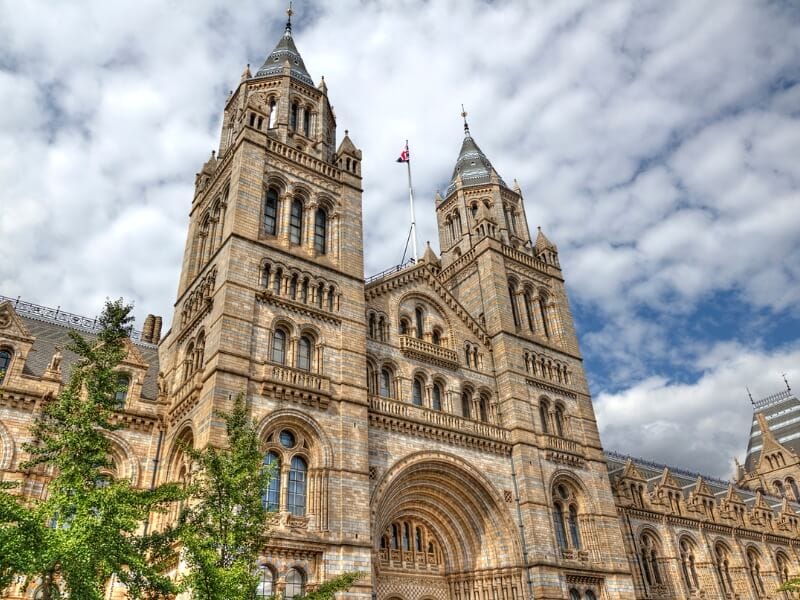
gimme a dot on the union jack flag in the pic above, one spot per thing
(404, 155)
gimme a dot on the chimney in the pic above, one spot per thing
(147, 330)
(156, 335)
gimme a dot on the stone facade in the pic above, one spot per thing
(432, 425)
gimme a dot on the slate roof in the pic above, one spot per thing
(653, 471)
(473, 166)
(285, 50)
(782, 413)
(51, 327)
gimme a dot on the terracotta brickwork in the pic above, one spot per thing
(433, 426)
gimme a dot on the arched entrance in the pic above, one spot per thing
(442, 532)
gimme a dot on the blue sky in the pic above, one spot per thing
(656, 143)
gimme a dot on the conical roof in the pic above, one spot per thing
(285, 50)
(472, 165)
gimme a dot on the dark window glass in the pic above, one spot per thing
(5, 362)
(304, 353)
(272, 495)
(320, 230)
(437, 397)
(304, 292)
(466, 400)
(293, 288)
(296, 222)
(417, 393)
(279, 347)
(295, 585)
(287, 439)
(331, 298)
(558, 523)
(271, 212)
(293, 121)
(320, 294)
(574, 533)
(277, 282)
(418, 314)
(296, 499)
(121, 395)
(512, 293)
(483, 407)
(306, 123)
(386, 383)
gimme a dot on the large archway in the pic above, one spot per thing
(440, 530)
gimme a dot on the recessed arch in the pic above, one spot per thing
(7, 449)
(308, 427)
(124, 458)
(456, 502)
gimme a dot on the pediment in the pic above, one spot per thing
(423, 275)
(132, 355)
(11, 325)
(632, 472)
(668, 480)
(701, 488)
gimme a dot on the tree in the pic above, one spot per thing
(226, 523)
(90, 526)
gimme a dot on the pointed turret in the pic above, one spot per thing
(542, 243)
(286, 54)
(472, 166)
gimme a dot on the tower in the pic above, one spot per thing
(271, 304)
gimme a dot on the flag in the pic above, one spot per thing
(404, 155)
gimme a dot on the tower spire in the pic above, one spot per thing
(466, 125)
(289, 13)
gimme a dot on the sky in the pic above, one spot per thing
(655, 142)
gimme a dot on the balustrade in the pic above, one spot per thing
(422, 350)
(297, 378)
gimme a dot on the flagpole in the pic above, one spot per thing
(411, 201)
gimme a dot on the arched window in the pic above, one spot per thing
(528, 314)
(406, 537)
(790, 482)
(589, 595)
(296, 498)
(649, 560)
(416, 396)
(304, 291)
(466, 400)
(565, 518)
(436, 337)
(558, 418)
(778, 487)
(395, 537)
(266, 583)
(418, 539)
(512, 294)
(754, 569)
(304, 353)
(265, 272)
(272, 113)
(271, 212)
(558, 524)
(418, 314)
(723, 566)
(279, 347)
(121, 394)
(293, 116)
(306, 123)
(320, 294)
(688, 569)
(404, 326)
(782, 562)
(331, 298)
(277, 281)
(544, 409)
(296, 222)
(295, 585)
(386, 383)
(437, 397)
(370, 379)
(272, 495)
(320, 230)
(373, 323)
(5, 362)
(543, 311)
(574, 594)
(293, 287)
(483, 408)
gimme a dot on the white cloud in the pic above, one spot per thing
(655, 142)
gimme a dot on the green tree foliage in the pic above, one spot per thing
(225, 527)
(90, 527)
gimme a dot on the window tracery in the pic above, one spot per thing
(565, 519)
(288, 457)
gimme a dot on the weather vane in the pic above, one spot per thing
(289, 13)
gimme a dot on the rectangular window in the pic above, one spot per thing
(296, 222)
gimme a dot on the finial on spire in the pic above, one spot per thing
(750, 395)
(786, 381)
(289, 13)
(464, 116)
